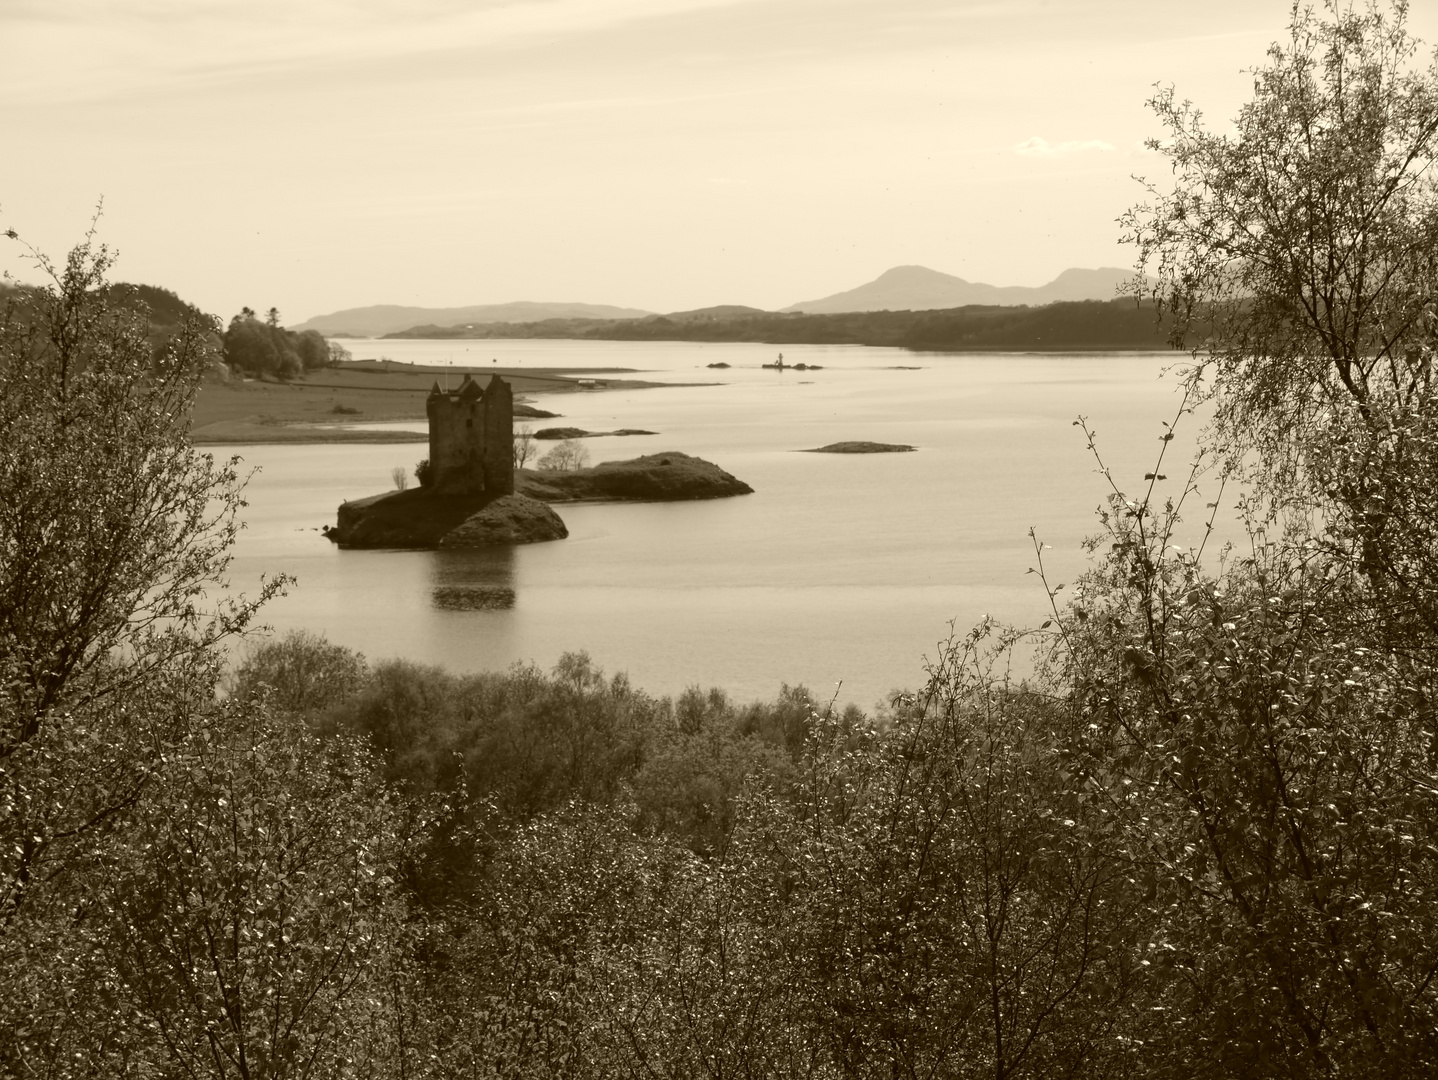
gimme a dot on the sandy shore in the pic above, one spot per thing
(324, 406)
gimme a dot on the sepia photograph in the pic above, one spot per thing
(673, 539)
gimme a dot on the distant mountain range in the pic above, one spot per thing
(917, 288)
(381, 319)
(904, 288)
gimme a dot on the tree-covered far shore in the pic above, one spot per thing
(1092, 325)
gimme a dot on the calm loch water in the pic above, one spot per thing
(839, 569)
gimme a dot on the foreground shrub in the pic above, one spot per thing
(300, 672)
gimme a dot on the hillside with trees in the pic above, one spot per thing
(249, 345)
(163, 313)
(1079, 325)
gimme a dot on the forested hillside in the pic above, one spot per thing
(248, 346)
(162, 311)
(1089, 324)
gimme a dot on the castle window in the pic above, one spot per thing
(469, 423)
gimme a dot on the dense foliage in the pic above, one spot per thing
(1300, 251)
(267, 349)
(163, 313)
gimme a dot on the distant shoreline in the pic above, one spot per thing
(318, 408)
(1122, 325)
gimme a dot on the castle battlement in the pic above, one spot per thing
(471, 438)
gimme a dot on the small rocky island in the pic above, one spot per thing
(472, 495)
(556, 433)
(421, 518)
(861, 447)
(667, 477)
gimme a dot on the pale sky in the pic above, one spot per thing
(664, 154)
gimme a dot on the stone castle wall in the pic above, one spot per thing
(497, 434)
(471, 438)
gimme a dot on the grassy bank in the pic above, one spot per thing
(323, 406)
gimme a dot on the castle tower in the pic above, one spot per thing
(498, 435)
(471, 438)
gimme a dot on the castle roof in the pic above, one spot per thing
(468, 390)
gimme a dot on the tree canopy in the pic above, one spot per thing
(267, 349)
(1298, 257)
(140, 822)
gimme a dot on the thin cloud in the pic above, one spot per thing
(1041, 147)
(100, 48)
